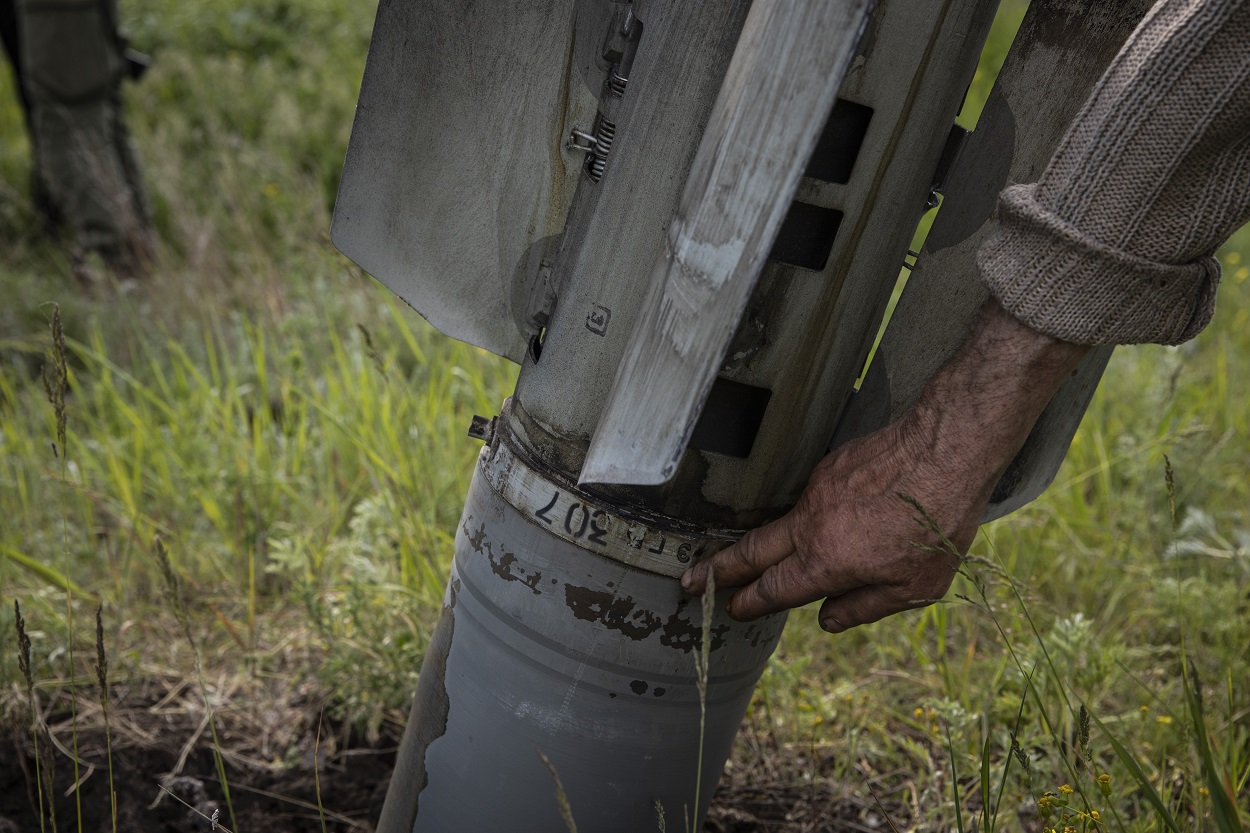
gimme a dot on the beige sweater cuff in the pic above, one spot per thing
(1049, 275)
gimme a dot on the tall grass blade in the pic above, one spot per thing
(1018, 754)
(959, 812)
(23, 663)
(102, 676)
(321, 813)
(987, 801)
(1227, 818)
(701, 671)
(1143, 781)
(55, 384)
(46, 572)
(174, 587)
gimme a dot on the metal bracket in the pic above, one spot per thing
(655, 543)
(483, 429)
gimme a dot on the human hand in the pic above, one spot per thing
(884, 520)
(854, 538)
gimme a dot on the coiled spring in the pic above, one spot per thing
(598, 159)
(617, 82)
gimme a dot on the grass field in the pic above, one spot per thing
(265, 458)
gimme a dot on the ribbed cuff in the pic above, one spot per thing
(1063, 283)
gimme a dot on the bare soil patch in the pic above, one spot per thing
(274, 757)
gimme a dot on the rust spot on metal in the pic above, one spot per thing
(603, 607)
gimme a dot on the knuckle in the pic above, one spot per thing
(744, 553)
(765, 589)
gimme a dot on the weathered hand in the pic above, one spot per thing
(853, 539)
(856, 537)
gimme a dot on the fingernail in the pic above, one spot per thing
(687, 578)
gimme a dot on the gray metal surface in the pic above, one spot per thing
(662, 545)
(458, 167)
(806, 331)
(1061, 51)
(546, 647)
(772, 107)
(617, 226)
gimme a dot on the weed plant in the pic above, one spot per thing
(296, 436)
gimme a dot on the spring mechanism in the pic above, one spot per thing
(597, 161)
(617, 82)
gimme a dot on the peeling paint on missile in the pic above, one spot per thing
(617, 614)
(683, 633)
(475, 539)
(509, 568)
(622, 614)
(427, 722)
(506, 565)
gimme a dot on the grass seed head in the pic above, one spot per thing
(56, 380)
(173, 586)
(23, 647)
(101, 660)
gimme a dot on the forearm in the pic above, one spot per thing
(976, 413)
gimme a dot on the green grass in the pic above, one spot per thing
(297, 438)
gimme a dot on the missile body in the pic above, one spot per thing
(549, 660)
(518, 178)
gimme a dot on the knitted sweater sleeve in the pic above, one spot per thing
(1115, 243)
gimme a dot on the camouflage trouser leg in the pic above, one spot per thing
(73, 62)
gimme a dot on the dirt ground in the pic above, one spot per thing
(164, 772)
